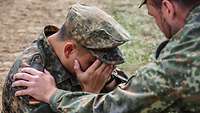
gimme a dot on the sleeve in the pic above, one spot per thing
(139, 94)
(10, 103)
(155, 88)
(117, 77)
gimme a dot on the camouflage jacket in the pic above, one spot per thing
(40, 55)
(169, 84)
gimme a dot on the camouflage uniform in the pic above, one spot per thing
(100, 36)
(170, 84)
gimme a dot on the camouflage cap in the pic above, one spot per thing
(97, 31)
(142, 2)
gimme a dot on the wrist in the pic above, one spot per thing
(56, 98)
(91, 90)
(49, 95)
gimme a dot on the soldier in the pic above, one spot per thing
(170, 84)
(88, 35)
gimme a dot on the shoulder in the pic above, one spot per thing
(29, 54)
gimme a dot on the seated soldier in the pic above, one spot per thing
(87, 34)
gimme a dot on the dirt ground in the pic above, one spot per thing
(22, 20)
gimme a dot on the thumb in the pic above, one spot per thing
(77, 68)
(46, 72)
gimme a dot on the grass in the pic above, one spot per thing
(145, 36)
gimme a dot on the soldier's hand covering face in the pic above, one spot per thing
(95, 77)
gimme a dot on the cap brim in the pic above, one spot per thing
(109, 56)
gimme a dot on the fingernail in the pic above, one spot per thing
(98, 60)
(22, 69)
(13, 85)
(75, 63)
(15, 94)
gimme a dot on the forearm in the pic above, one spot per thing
(119, 100)
(70, 102)
(151, 89)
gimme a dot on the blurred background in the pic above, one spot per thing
(21, 21)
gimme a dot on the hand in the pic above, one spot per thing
(95, 77)
(109, 87)
(40, 86)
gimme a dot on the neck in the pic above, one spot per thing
(181, 16)
(55, 43)
(58, 47)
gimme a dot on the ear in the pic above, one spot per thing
(69, 47)
(168, 9)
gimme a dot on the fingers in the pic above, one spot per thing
(95, 65)
(102, 67)
(23, 65)
(22, 92)
(77, 67)
(107, 72)
(24, 76)
(45, 71)
(31, 71)
(105, 69)
(108, 69)
(21, 83)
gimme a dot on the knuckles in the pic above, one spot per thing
(40, 74)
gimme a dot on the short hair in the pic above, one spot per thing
(184, 3)
(63, 33)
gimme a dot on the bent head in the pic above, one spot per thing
(68, 50)
(89, 33)
(170, 15)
